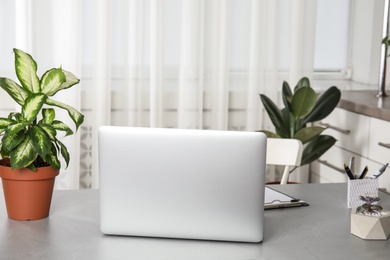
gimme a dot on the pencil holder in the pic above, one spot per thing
(361, 187)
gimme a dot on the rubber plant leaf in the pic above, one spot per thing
(316, 148)
(26, 71)
(24, 154)
(13, 89)
(289, 123)
(307, 134)
(40, 140)
(76, 116)
(326, 103)
(274, 114)
(32, 106)
(302, 83)
(303, 102)
(287, 95)
(52, 81)
(269, 134)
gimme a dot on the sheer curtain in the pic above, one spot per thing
(161, 63)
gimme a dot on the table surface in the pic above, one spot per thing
(319, 231)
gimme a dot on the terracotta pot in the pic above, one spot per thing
(27, 193)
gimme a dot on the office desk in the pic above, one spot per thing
(319, 231)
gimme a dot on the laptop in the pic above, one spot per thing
(188, 184)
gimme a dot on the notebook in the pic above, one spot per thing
(189, 184)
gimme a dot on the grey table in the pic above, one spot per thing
(319, 231)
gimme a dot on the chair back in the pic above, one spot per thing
(287, 152)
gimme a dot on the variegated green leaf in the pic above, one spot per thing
(13, 136)
(76, 116)
(26, 71)
(24, 154)
(60, 126)
(52, 158)
(64, 153)
(70, 80)
(52, 81)
(32, 167)
(40, 141)
(5, 122)
(17, 116)
(13, 89)
(32, 106)
(49, 129)
(48, 115)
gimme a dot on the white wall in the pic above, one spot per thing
(366, 37)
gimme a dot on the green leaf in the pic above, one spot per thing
(316, 148)
(274, 114)
(303, 102)
(48, 115)
(49, 129)
(287, 95)
(269, 134)
(58, 125)
(289, 123)
(52, 81)
(325, 105)
(302, 83)
(309, 133)
(52, 158)
(76, 116)
(26, 71)
(13, 89)
(70, 80)
(24, 154)
(17, 116)
(64, 153)
(13, 136)
(5, 122)
(32, 106)
(40, 141)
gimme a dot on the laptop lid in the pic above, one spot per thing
(175, 183)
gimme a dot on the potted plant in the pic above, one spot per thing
(301, 109)
(369, 221)
(30, 147)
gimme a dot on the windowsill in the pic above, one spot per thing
(359, 98)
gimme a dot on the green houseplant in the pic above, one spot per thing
(302, 108)
(29, 140)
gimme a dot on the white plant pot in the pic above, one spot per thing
(370, 227)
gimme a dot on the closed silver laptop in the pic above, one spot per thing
(174, 183)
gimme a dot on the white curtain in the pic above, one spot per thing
(161, 63)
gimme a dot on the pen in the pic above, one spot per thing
(348, 171)
(364, 173)
(381, 171)
(351, 165)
